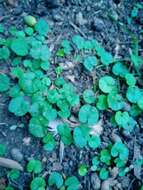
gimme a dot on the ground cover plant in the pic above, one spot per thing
(55, 112)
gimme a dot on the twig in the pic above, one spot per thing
(77, 29)
(131, 184)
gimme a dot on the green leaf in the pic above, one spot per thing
(102, 102)
(1, 28)
(66, 46)
(94, 141)
(81, 136)
(49, 142)
(119, 149)
(130, 79)
(26, 82)
(95, 163)
(36, 128)
(41, 52)
(34, 166)
(135, 111)
(89, 96)
(140, 103)
(122, 118)
(115, 101)
(20, 46)
(38, 183)
(65, 133)
(105, 156)
(4, 82)
(90, 62)
(72, 183)
(14, 174)
(120, 163)
(106, 58)
(29, 31)
(42, 27)
(45, 65)
(104, 173)
(2, 149)
(78, 41)
(88, 114)
(49, 113)
(134, 94)
(107, 84)
(136, 60)
(55, 179)
(4, 53)
(82, 170)
(19, 106)
(120, 69)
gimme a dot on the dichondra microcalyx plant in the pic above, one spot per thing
(35, 93)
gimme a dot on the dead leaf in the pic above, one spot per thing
(97, 129)
(8, 163)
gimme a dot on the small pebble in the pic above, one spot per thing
(97, 25)
(95, 181)
(80, 20)
(16, 154)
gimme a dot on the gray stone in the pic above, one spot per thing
(16, 154)
(80, 20)
(95, 181)
(97, 25)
